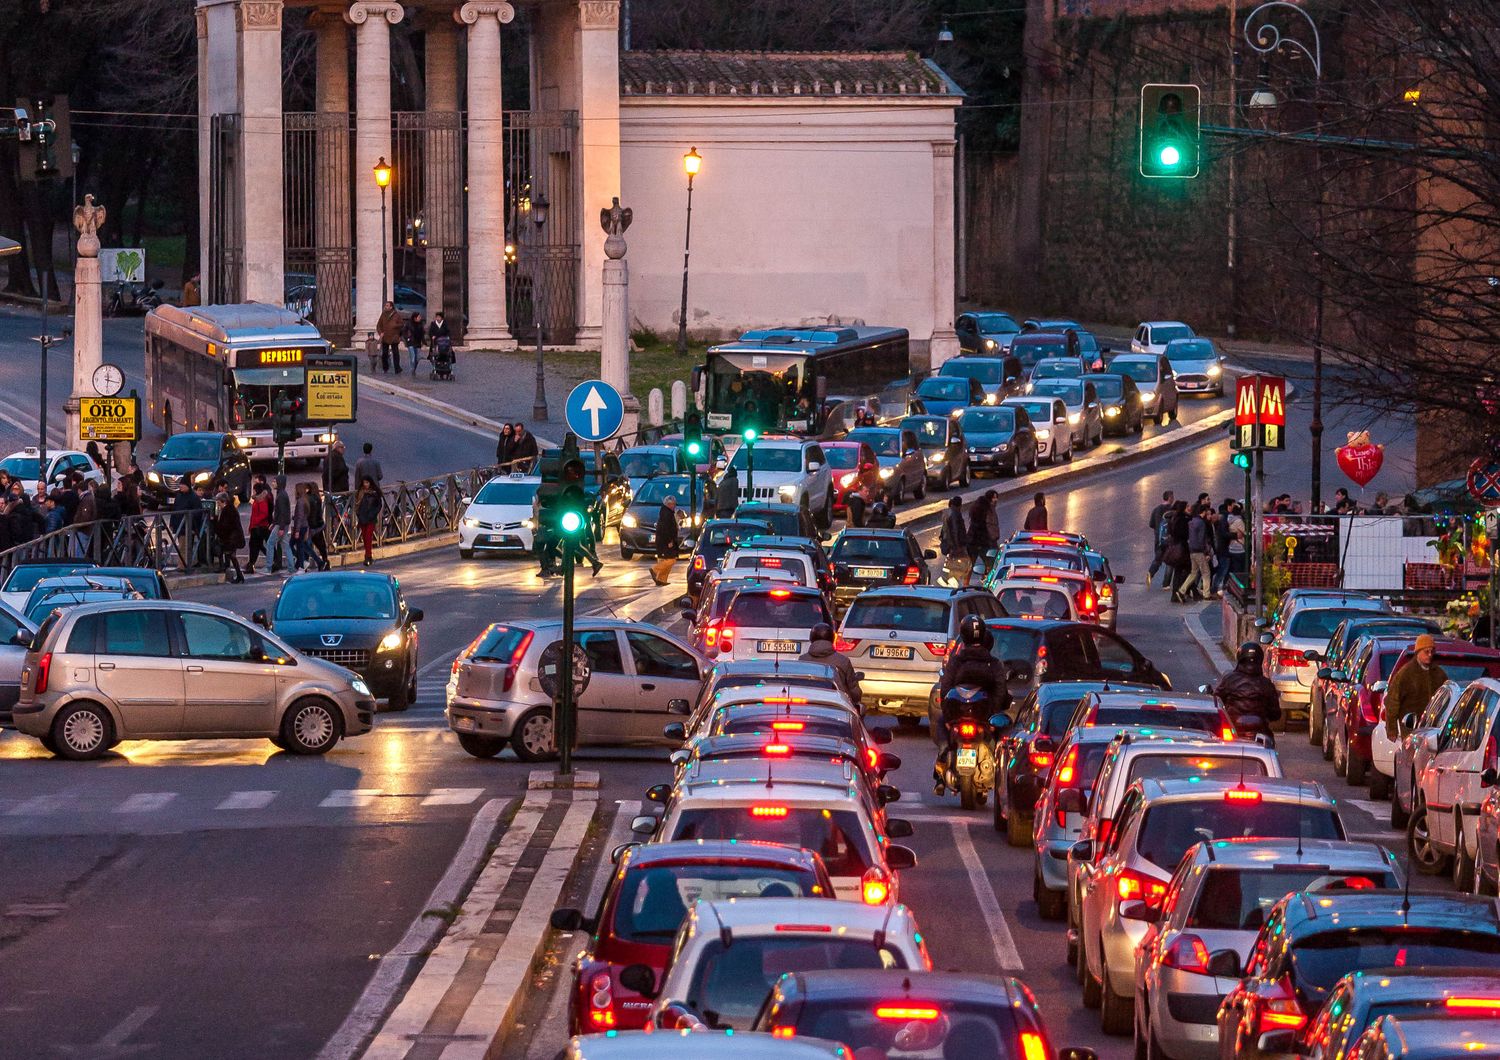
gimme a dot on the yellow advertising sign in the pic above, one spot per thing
(330, 395)
(113, 419)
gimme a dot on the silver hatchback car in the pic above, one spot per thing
(100, 673)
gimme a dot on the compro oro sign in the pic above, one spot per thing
(114, 419)
(330, 394)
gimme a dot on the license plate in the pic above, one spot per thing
(890, 651)
(968, 758)
(871, 572)
(464, 725)
(777, 647)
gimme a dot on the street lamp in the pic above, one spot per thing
(945, 35)
(691, 163)
(383, 181)
(539, 218)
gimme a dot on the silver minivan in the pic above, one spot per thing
(100, 673)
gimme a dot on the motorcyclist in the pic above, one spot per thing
(1245, 691)
(970, 664)
(820, 650)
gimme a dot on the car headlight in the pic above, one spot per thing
(1113, 410)
(990, 399)
(1214, 371)
(788, 490)
(244, 441)
(529, 524)
(887, 472)
(1030, 387)
(990, 344)
(1002, 447)
(937, 458)
(1075, 418)
(629, 521)
(1043, 434)
(203, 476)
(956, 413)
(358, 684)
(470, 522)
(1148, 395)
(328, 438)
(392, 640)
(152, 476)
(846, 480)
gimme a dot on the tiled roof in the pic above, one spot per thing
(693, 73)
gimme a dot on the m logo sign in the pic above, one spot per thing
(1259, 412)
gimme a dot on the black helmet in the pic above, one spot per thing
(1251, 653)
(971, 630)
(822, 631)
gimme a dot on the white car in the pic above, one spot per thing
(697, 1043)
(770, 621)
(743, 560)
(789, 471)
(24, 465)
(501, 517)
(1152, 336)
(1049, 416)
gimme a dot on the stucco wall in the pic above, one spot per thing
(805, 211)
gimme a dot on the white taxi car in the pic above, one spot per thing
(25, 464)
(501, 517)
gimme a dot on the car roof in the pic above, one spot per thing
(696, 1045)
(1261, 852)
(1160, 738)
(717, 850)
(851, 984)
(766, 506)
(1276, 789)
(768, 773)
(770, 668)
(872, 531)
(1030, 574)
(789, 588)
(1434, 1038)
(1451, 647)
(779, 541)
(1163, 323)
(1411, 984)
(764, 914)
(1039, 624)
(653, 447)
(823, 710)
(345, 574)
(750, 744)
(1120, 697)
(1047, 331)
(1381, 908)
(928, 592)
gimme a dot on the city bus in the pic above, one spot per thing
(222, 368)
(805, 380)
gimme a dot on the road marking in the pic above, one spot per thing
(146, 802)
(989, 905)
(1375, 809)
(127, 1026)
(349, 798)
(452, 796)
(37, 804)
(247, 800)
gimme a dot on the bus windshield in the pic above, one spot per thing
(769, 393)
(256, 389)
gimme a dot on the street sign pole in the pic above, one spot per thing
(1258, 537)
(565, 705)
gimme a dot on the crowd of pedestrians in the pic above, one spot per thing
(1198, 545)
(394, 329)
(966, 536)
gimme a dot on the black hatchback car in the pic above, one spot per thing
(865, 558)
(199, 458)
(1120, 400)
(788, 520)
(356, 619)
(1040, 650)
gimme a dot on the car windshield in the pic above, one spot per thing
(996, 324)
(989, 421)
(644, 463)
(766, 611)
(1179, 764)
(21, 466)
(1158, 717)
(1015, 646)
(778, 458)
(885, 443)
(192, 447)
(862, 548)
(501, 491)
(1169, 828)
(1142, 371)
(986, 371)
(1034, 601)
(722, 535)
(1463, 672)
(1071, 393)
(1318, 623)
(1057, 369)
(909, 613)
(959, 1029)
(658, 490)
(1108, 388)
(1190, 350)
(1321, 960)
(1039, 411)
(841, 456)
(653, 901)
(732, 982)
(944, 387)
(23, 578)
(499, 644)
(931, 431)
(1395, 628)
(145, 582)
(359, 597)
(1032, 350)
(1017, 557)
(1161, 333)
(1238, 899)
(736, 719)
(836, 835)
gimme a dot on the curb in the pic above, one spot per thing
(1211, 649)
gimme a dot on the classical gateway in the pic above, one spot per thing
(826, 193)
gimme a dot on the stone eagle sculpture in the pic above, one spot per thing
(615, 219)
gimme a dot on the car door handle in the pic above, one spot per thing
(106, 666)
(648, 688)
(193, 669)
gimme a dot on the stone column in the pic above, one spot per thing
(487, 322)
(218, 93)
(205, 183)
(259, 23)
(944, 343)
(614, 341)
(598, 57)
(372, 21)
(88, 315)
(442, 209)
(331, 146)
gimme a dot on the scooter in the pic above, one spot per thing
(967, 764)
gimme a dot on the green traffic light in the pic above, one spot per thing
(694, 448)
(570, 522)
(751, 434)
(1170, 156)
(1241, 461)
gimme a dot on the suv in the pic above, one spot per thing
(945, 454)
(903, 466)
(199, 458)
(771, 620)
(988, 333)
(1113, 707)
(1217, 899)
(865, 559)
(1156, 823)
(1308, 622)
(100, 673)
(898, 637)
(789, 470)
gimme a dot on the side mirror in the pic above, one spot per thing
(1070, 800)
(813, 465)
(415, 614)
(640, 979)
(688, 615)
(21, 638)
(887, 794)
(881, 736)
(898, 857)
(1140, 911)
(1325, 673)
(1000, 721)
(644, 825)
(929, 554)
(1265, 638)
(679, 706)
(1224, 964)
(889, 762)
(674, 731)
(260, 619)
(680, 757)
(1205, 690)
(898, 827)
(685, 601)
(1312, 655)
(1282, 1041)
(1379, 686)
(570, 920)
(1119, 579)
(659, 792)
(1408, 721)
(1083, 850)
(1430, 742)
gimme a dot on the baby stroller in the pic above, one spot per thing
(442, 358)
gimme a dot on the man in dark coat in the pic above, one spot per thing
(1246, 691)
(666, 541)
(336, 470)
(524, 446)
(727, 493)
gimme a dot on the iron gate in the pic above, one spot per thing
(319, 220)
(540, 147)
(226, 240)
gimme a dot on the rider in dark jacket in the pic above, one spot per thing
(1245, 691)
(972, 664)
(820, 650)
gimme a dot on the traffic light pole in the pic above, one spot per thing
(565, 706)
(1257, 537)
(749, 470)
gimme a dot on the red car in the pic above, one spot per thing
(855, 470)
(647, 898)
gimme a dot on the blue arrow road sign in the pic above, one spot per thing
(594, 411)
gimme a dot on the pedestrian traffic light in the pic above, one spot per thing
(692, 437)
(571, 502)
(1169, 131)
(747, 421)
(284, 419)
(1241, 460)
(750, 434)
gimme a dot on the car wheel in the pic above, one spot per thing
(920, 493)
(898, 494)
(1314, 723)
(82, 731)
(1093, 989)
(1049, 906)
(1463, 864)
(963, 478)
(1173, 416)
(946, 482)
(1116, 1013)
(311, 727)
(1340, 757)
(1327, 740)
(1017, 829)
(1140, 424)
(532, 739)
(1380, 785)
(481, 746)
(1068, 458)
(466, 553)
(1399, 814)
(1161, 418)
(1482, 885)
(401, 698)
(1425, 857)
(626, 554)
(1356, 767)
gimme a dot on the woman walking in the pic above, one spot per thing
(367, 513)
(414, 334)
(300, 546)
(230, 534)
(504, 446)
(260, 524)
(316, 525)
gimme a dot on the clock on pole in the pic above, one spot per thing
(108, 380)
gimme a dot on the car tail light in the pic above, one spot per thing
(726, 637)
(1241, 795)
(698, 563)
(1369, 706)
(1491, 753)
(782, 701)
(822, 929)
(1049, 539)
(968, 729)
(1041, 760)
(872, 756)
(938, 648)
(844, 644)
(1086, 602)
(601, 1002)
(1106, 591)
(1287, 658)
(906, 1013)
(513, 667)
(874, 887)
(1227, 732)
(783, 1032)
(1473, 1004)
(1033, 1047)
(1187, 953)
(1067, 773)
(43, 669)
(1281, 1013)
(1051, 578)
(776, 750)
(761, 810)
(913, 572)
(788, 726)
(711, 634)
(1133, 887)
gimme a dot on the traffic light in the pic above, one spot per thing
(284, 419)
(1241, 460)
(1169, 131)
(692, 437)
(750, 434)
(747, 421)
(571, 503)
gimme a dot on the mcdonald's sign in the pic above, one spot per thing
(1259, 412)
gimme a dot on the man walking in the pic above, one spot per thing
(524, 447)
(1200, 549)
(1158, 537)
(1412, 686)
(666, 541)
(336, 469)
(367, 467)
(953, 542)
(280, 544)
(1036, 518)
(388, 327)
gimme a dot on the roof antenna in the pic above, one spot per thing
(1299, 820)
(879, 937)
(1207, 835)
(1406, 888)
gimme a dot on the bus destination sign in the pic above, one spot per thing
(278, 357)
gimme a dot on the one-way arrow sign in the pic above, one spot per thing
(594, 411)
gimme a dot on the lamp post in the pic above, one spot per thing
(691, 163)
(1267, 38)
(383, 181)
(539, 218)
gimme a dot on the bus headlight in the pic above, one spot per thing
(629, 521)
(244, 441)
(391, 641)
(203, 476)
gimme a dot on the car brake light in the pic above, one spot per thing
(1241, 795)
(785, 700)
(698, 563)
(768, 561)
(1041, 760)
(1067, 771)
(1032, 1046)
(1187, 953)
(905, 1012)
(1286, 658)
(780, 594)
(1106, 591)
(938, 648)
(783, 1032)
(1133, 887)
(1280, 1013)
(968, 729)
(43, 669)
(844, 644)
(912, 574)
(777, 750)
(874, 887)
(1086, 602)
(768, 811)
(788, 726)
(1050, 539)
(514, 666)
(1227, 732)
(873, 757)
(601, 1002)
(820, 928)
(1491, 753)
(1050, 578)
(1471, 1003)
(726, 637)
(1101, 836)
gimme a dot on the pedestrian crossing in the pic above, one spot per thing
(233, 804)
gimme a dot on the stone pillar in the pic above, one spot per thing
(218, 93)
(598, 56)
(259, 24)
(487, 323)
(614, 344)
(944, 343)
(331, 145)
(442, 212)
(372, 21)
(205, 183)
(88, 315)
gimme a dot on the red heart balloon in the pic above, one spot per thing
(1360, 462)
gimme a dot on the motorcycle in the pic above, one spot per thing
(967, 764)
(140, 298)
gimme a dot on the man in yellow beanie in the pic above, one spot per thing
(1412, 686)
